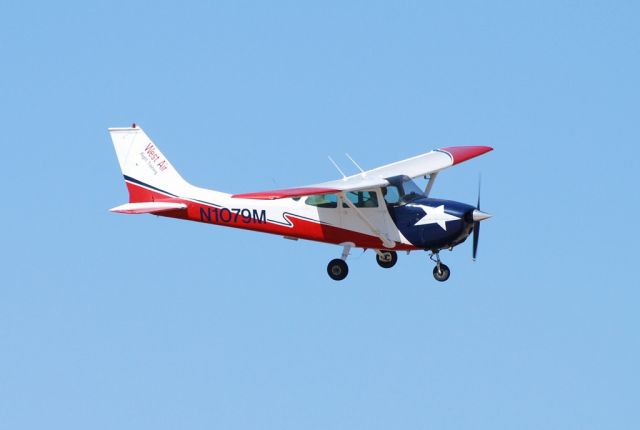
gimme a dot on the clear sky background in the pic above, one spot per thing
(111, 321)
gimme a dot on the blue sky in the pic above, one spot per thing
(112, 321)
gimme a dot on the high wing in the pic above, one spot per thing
(421, 165)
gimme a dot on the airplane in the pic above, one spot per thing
(382, 209)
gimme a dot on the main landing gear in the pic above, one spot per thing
(386, 259)
(441, 272)
(337, 268)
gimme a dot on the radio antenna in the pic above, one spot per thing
(336, 166)
(354, 162)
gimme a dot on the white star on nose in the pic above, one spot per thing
(436, 216)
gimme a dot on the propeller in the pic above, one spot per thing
(478, 216)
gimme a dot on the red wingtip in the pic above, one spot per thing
(464, 153)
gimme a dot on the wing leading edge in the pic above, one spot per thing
(421, 165)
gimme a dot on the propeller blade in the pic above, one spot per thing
(476, 238)
(478, 216)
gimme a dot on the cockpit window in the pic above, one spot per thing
(362, 199)
(402, 190)
(323, 201)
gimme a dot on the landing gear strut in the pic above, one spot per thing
(337, 268)
(441, 272)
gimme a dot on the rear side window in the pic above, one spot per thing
(323, 201)
(362, 199)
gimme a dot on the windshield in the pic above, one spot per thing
(402, 190)
(411, 191)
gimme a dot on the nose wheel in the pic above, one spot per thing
(441, 272)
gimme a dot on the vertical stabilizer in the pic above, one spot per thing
(146, 170)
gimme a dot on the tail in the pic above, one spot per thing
(148, 174)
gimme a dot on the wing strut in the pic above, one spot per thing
(385, 241)
(432, 179)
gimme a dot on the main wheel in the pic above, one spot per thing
(442, 274)
(392, 259)
(337, 269)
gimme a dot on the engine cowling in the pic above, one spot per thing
(433, 223)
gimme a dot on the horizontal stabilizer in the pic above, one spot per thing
(148, 207)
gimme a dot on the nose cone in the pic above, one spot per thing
(478, 215)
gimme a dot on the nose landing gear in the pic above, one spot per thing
(441, 272)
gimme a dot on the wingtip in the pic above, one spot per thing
(463, 153)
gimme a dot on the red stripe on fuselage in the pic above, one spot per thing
(300, 228)
(139, 194)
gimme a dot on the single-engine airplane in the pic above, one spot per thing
(381, 209)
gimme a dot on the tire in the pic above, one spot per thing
(337, 269)
(444, 273)
(387, 264)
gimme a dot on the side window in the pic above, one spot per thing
(391, 194)
(362, 199)
(323, 201)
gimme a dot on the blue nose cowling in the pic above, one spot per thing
(433, 223)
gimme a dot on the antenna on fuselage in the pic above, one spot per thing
(356, 164)
(336, 166)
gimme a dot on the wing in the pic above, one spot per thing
(421, 165)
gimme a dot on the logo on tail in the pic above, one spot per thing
(154, 160)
